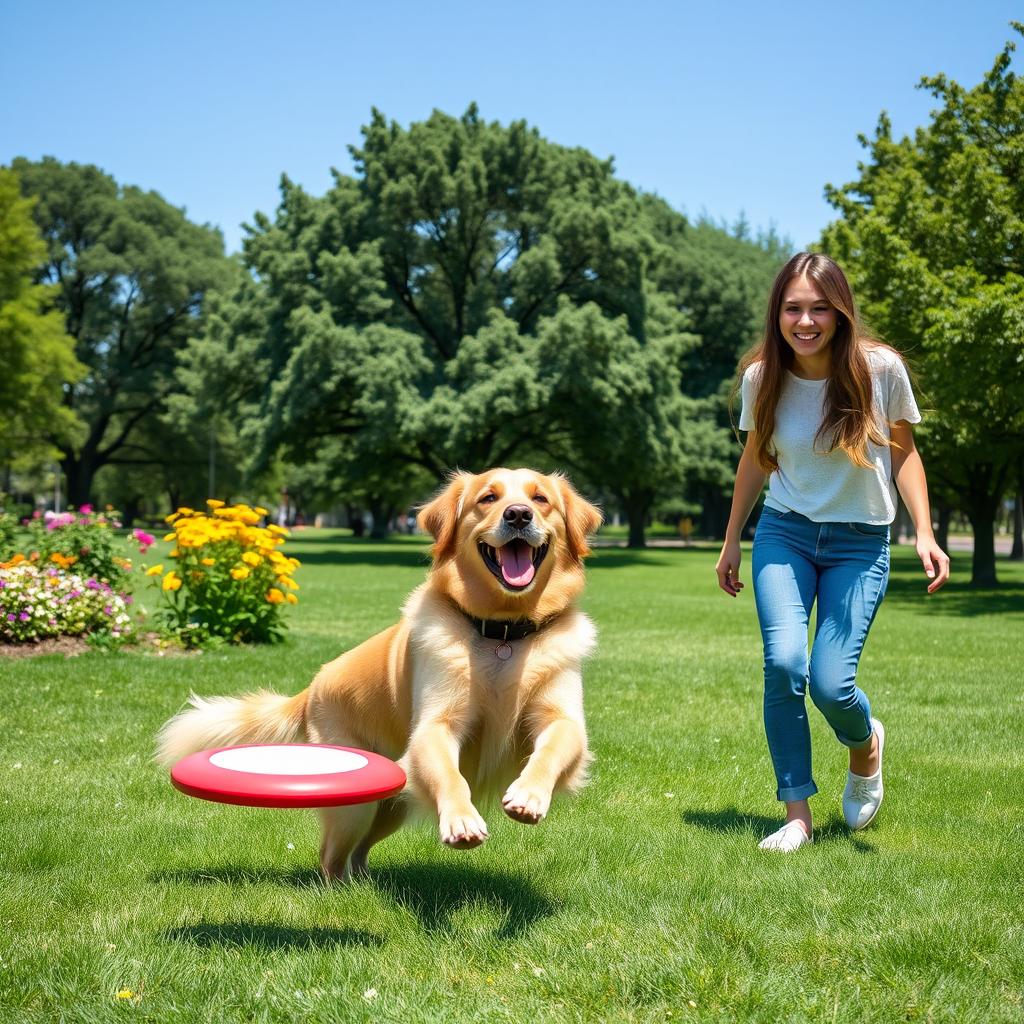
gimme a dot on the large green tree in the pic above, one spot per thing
(130, 274)
(36, 354)
(402, 320)
(933, 234)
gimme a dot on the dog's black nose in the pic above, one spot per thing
(518, 515)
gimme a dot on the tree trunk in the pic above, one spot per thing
(983, 565)
(381, 513)
(79, 473)
(1017, 551)
(714, 514)
(900, 527)
(131, 510)
(637, 506)
(986, 484)
(943, 514)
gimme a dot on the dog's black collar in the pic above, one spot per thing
(503, 629)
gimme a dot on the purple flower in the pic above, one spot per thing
(93, 585)
(12, 618)
(74, 593)
(24, 617)
(107, 610)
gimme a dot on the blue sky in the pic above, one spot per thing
(717, 108)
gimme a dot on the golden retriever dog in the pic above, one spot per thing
(475, 691)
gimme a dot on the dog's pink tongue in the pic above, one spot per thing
(516, 560)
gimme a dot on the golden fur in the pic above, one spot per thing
(430, 692)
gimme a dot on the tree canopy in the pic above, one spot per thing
(130, 273)
(475, 294)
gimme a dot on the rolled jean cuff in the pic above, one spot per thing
(855, 744)
(796, 792)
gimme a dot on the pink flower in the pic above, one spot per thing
(146, 540)
(55, 520)
(86, 510)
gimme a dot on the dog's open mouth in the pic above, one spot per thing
(514, 564)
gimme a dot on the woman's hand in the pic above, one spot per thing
(728, 568)
(934, 560)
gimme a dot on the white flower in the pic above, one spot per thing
(370, 994)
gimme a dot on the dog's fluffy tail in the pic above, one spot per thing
(261, 717)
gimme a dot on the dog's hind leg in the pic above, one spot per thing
(341, 830)
(390, 816)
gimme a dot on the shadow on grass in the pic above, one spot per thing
(957, 597)
(410, 558)
(434, 894)
(619, 558)
(758, 826)
(270, 936)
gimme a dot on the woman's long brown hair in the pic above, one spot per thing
(848, 422)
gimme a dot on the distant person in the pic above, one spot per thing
(828, 413)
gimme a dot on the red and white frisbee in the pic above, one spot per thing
(288, 775)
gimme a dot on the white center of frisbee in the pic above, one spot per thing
(288, 760)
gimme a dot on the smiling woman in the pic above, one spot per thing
(828, 411)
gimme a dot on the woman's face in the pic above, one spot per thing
(806, 319)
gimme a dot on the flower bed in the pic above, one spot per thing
(39, 602)
(83, 541)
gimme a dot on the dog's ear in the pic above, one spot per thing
(581, 518)
(440, 516)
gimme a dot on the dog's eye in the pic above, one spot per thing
(540, 499)
(488, 498)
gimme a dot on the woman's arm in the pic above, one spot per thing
(750, 480)
(908, 472)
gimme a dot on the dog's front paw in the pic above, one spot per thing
(522, 803)
(463, 829)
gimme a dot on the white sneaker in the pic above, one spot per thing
(788, 839)
(863, 794)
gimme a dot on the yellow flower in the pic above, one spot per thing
(125, 993)
(155, 570)
(291, 598)
(172, 517)
(171, 581)
(209, 561)
(280, 531)
(175, 552)
(251, 558)
(64, 561)
(214, 503)
(274, 596)
(259, 510)
(240, 573)
(170, 536)
(287, 581)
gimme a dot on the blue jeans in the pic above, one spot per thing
(846, 567)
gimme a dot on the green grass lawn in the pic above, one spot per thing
(644, 899)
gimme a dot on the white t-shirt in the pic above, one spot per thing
(829, 488)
